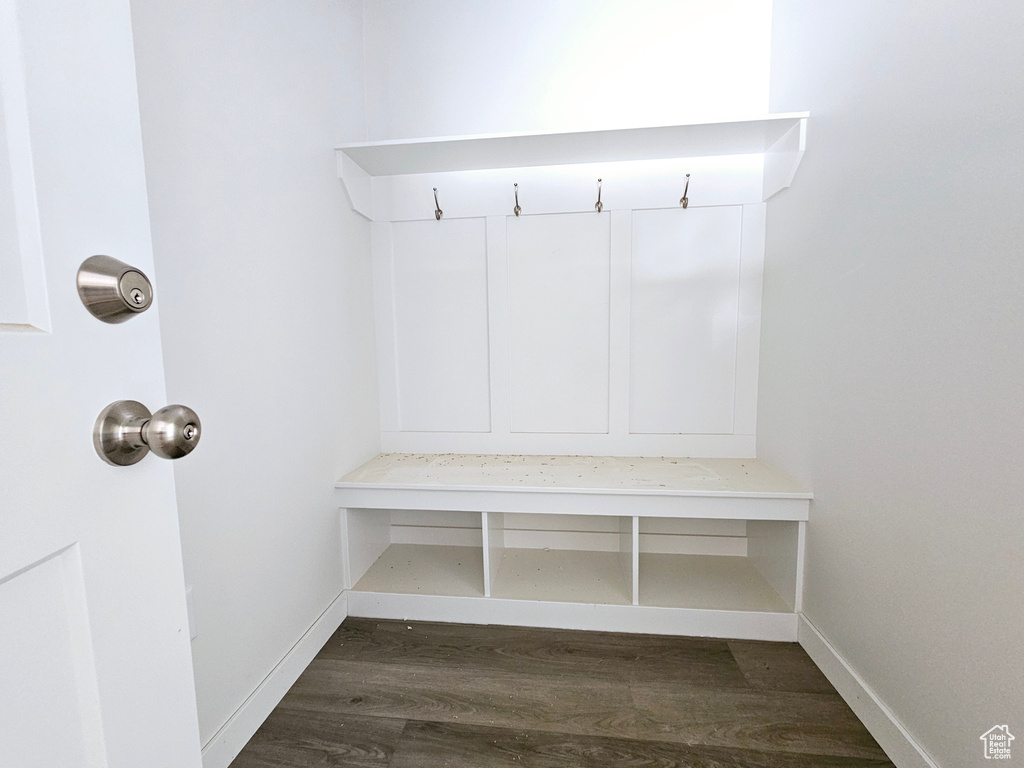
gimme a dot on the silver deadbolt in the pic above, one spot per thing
(126, 431)
(112, 290)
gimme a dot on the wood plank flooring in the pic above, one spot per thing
(388, 694)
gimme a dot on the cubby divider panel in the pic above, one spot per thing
(775, 548)
(629, 554)
(494, 546)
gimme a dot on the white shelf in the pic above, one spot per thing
(739, 489)
(572, 576)
(417, 569)
(645, 619)
(569, 589)
(561, 576)
(520, 150)
(706, 582)
(392, 180)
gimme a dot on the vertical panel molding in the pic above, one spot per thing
(441, 337)
(384, 320)
(683, 327)
(498, 325)
(619, 311)
(748, 334)
(559, 296)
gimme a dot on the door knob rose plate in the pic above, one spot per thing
(126, 431)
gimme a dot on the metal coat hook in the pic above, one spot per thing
(684, 200)
(597, 205)
(517, 210)
(438, 213)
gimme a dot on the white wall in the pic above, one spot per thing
(891, 364)
(264, 281)
(450, 67)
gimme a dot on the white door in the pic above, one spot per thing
(95, 666)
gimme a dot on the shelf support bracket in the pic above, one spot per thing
(359, 185)
(782, 159)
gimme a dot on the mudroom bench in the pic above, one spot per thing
(687, 546)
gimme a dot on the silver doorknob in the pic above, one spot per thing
(126, 431)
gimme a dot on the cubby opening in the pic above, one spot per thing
(414, 552)
(712, 582)
(726, 565)
(560, 558)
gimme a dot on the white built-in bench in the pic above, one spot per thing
(710, 547)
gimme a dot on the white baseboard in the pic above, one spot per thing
(891, 736)
(240, 727)
(737, 625)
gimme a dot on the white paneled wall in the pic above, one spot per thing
(615, 333)
(683, 320)
(439, 285)
(559, 304)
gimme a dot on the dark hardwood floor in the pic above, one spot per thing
(389, 694)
